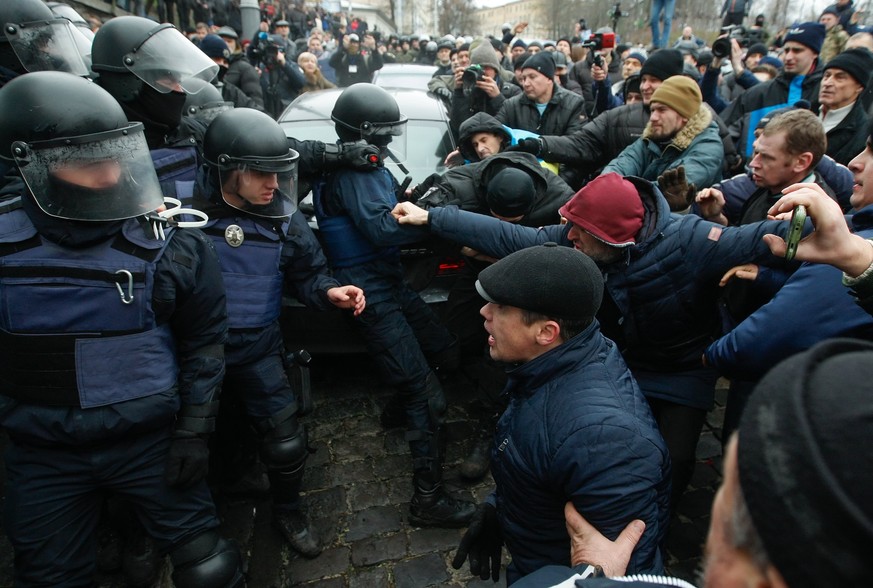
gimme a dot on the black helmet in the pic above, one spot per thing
(155, 54)
(245, 140)
(206, 103)
(33, 39)
(79, 156)
(366, 111)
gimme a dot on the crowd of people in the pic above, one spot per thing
(623, 211)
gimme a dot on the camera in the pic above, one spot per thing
(599, 41)
(471, 75)
(721, 47)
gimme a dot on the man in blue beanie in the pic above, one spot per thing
(799, 80)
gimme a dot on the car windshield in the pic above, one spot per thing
(427, 146)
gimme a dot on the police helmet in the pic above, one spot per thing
(241, 142)
(206, 103)
(33, 39)
(131, 50)
(80, 157)
(366, 111)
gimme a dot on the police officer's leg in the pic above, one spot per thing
(437, 343)
(52, 509)
(395, 350)
(182, 521)
(284, 445)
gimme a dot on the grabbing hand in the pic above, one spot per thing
(588, 545)
(533, 146)
(747, 271)
(678, 192)
(408, 213)
(454, 159)
(348, 297)
(711, 202)
(482, 543)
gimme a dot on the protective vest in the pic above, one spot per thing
(77, 327)
(344, 244)
(250, 255)
(177, 170)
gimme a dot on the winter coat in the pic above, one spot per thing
(849, 138)
(315, 83)
(660, 302)
(244, 76)
(696, 146)
(813, 305)
(577, 428)
(564, 113)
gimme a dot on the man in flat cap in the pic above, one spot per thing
(577, 426)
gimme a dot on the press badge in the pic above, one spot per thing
(353, 69)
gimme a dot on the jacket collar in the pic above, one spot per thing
(695, 125)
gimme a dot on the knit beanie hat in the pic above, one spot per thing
(681, 94)
(541, 62)
(857, 62)
(484, 54)
(757, 49)
(805, 467)
(608, 207)
(770, 60)
(510, 193)
(519, 43)
(559, 282)
(214, 46)
(662, 64)
(638, 56)
(811, 34)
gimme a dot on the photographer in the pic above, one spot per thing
(592, 72)
(281, 79)
(742, 77)
(354, 64)
(486, 87)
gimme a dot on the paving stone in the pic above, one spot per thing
(331, 562)
(373, 521)
(418, 572)
(369, 578)
(376, 550)
(432, 540)
(708, 446)
(367, 494)
(350, 472)
(352, 448)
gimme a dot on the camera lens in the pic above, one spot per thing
(721, 47)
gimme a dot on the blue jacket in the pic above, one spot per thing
(663, 295)
(813, 305)
(577, 428)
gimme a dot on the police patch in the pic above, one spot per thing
(234, 235)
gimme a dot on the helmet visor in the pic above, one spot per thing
(47, 45)
(101, 177)
(167, 61)
(390, 137)
(268, 191)
(207, 112)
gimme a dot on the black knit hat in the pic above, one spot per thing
(541, 62)
(559, 282)
(662, 64)
(510, 193)
(757, 49)
(805, 465)
(857, 62)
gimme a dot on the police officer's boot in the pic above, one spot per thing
(431, 506)
(284, 450)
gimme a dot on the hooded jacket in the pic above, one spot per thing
(696, 146)
(577, 428)
(466, 187)
(663, 293)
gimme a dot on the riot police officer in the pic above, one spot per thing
(111, 342)
(401, 333)
(247, 187)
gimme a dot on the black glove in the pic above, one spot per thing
(483, 542)
(358, 155)
(533, 146)
(187, 460)
(678, 192)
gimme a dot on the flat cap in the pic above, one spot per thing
(559, 282)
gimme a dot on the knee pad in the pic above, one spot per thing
(207, 561)
(286, 446)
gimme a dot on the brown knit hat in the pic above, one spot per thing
(681, 94)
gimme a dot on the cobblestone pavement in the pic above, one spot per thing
(357, 489)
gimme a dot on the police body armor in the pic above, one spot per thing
(177, 170)
(250, 254)
(344, 243)
(77, 327)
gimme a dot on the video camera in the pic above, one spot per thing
(721, 47)
(471, 75)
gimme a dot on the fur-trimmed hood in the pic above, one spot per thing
(695, 125)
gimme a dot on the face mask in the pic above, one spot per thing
(165, 109)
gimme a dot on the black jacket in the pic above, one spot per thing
(564, 114)
(849, 138)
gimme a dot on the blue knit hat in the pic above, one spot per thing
(811, 34)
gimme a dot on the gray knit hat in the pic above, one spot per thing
(484, 54)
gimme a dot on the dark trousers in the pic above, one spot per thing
(680, 426)
(54, 496)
